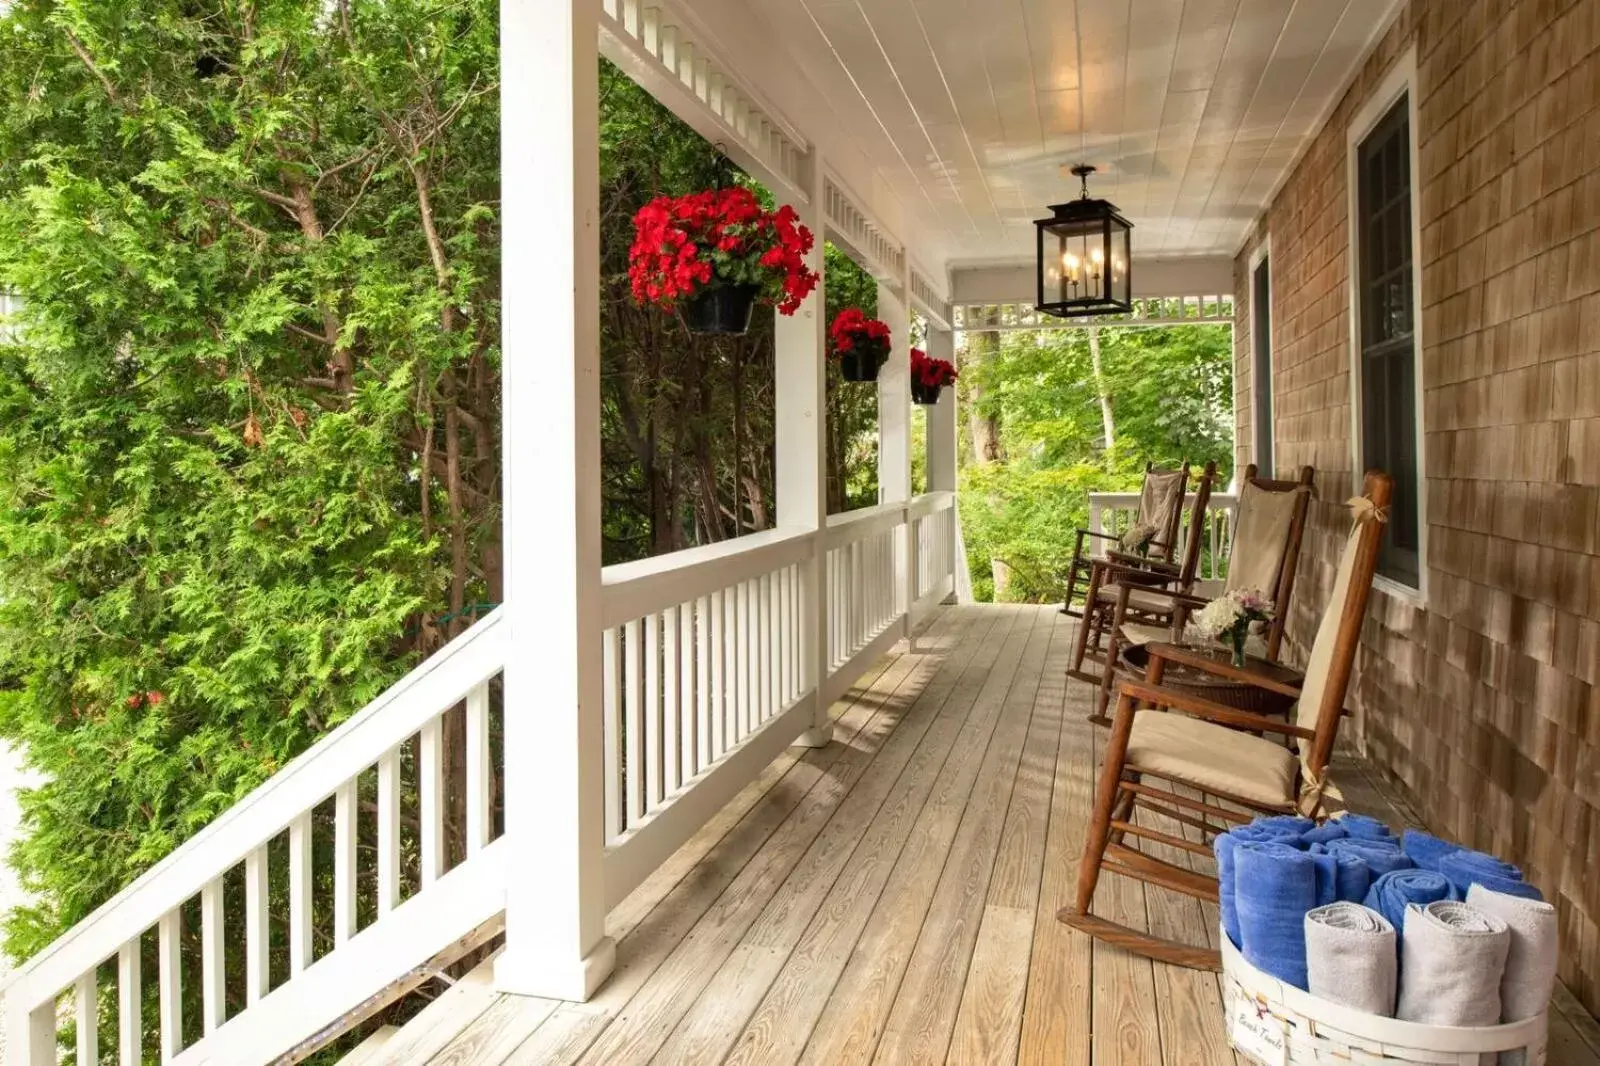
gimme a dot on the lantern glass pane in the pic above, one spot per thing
(1121, 256)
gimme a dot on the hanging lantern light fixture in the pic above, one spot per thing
(1084, 262)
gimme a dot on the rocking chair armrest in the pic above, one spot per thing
(1142, 562)
(1097, 533)
(1149, 580)
(1130, 692)
(1174, 653)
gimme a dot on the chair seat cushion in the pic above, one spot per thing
(1212, 757)
(1149, 601)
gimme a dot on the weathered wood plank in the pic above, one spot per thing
(989, 1022)
(849, 798)
(795, 995)
(761, 848)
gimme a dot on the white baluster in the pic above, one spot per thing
(763, 635)
(130, 1003)
(87, 1018)
(651, 37)
(688, 706)
(430, 800)
(213, 972)
(671, 739)
(480, 770)
(653, 718)
(611, 682)
(702, 681)
(257, 937)
(633, 678)
(741, 635)
(719, 665)
(388, 832)
(170, 982)
(344, 862)
(785, 635)
(300, 880)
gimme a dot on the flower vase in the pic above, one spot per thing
(926, 395)
(860, 364)
(1238, 636)
(720, 309)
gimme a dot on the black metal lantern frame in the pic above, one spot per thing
(1084, 262)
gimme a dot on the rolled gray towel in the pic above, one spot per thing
(1455, 958)
(1530, 974)
(1350, 957)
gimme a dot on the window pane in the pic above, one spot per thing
(1388, 437)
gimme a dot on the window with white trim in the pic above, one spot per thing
(1387, 386)
(1261, 358)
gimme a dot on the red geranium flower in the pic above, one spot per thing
(931, 373)
(852, 329)
(721, 236)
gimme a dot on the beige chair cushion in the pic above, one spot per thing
(1260, 539)
(1160, 496)
(1211, 757)
(1148, 600)
(1320, 663)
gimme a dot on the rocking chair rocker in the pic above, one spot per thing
(1221, 753)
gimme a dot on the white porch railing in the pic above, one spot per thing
(400, 731)
(1114, 512)
(707, 676)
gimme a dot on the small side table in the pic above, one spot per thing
(1226, 691)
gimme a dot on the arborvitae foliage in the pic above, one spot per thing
(248, 421)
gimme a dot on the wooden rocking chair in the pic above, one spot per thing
(1160, 505)
(1264, 555)
(1112, 576)
(1221, 753)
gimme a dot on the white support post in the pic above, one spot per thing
(943, 431)
(894, 435)
(801, 416)
(555, 896)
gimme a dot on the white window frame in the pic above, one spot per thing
(1263, 250)
(1401, 80)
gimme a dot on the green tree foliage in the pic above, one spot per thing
(248, 427)
(1170, 390)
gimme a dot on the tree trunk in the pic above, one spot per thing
(1002, 578)
(1107, 419)
(984, 425)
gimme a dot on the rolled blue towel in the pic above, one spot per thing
(1275, 884)
(1390, 893)
(1381, 856)
(1289, 821)
(1352, 877)
(1425, 849)
(1463, 869)
(1262, 829)
(1363, 827)
(1323, 833)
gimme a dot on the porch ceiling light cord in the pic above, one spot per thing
(1084, 265)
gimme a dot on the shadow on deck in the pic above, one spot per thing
(891, 898)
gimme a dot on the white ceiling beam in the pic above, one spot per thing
(1018, 282)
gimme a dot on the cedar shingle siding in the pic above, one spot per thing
(1485, 704)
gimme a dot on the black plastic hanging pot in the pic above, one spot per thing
(720, 309)
(927, 395)
(860, 363)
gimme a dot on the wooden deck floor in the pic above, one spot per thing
(891, 899)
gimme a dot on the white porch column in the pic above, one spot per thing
(894, 401)
(894, 438)
(943, 430)
(800, 372)
(941, 344)
(555, 899)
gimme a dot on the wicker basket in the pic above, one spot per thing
(1276, 1024)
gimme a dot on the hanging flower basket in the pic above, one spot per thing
(714, 254)
(929, 377)
(720, 309)
(860, 344)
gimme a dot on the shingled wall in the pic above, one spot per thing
(1484, 703)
